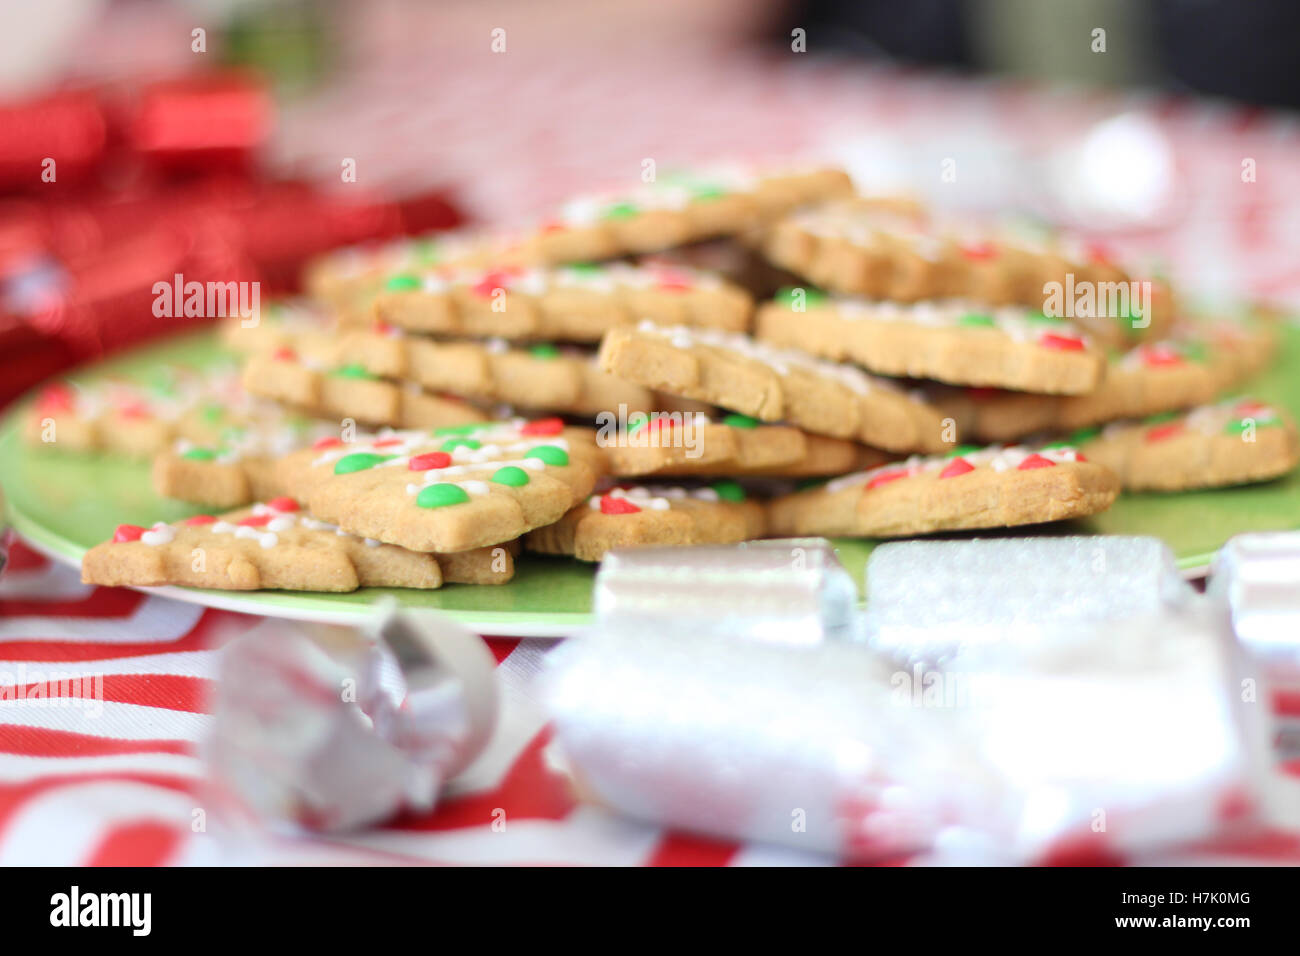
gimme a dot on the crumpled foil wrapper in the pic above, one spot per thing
(330, 728)
(935, 601)
(790, 591)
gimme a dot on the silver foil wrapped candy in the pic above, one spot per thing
(790, 591)
(752, 741)
(1255, 582)
(330, 729)
(936, 600)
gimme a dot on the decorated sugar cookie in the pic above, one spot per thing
(1189, 368)
(351, 391)
(732, 445)
(632, 516)
(973, 487)
(948, 340)
(277, 545)
(573, 303)
(773, 384)
(537, 376)
(855, 248)
(450, 489)
(1232, 442)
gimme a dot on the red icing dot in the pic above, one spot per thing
(674, 285)
(958, 466)
(326, 442)
(254, 521)
(55, 398)
(1097, 252)
(885, 477)
(127, 532)
(431, 459)
(1062, 343)
(1035, 461)
(386, 442)
(486, 286)
(1250, 407)
(1162, 432)
(1160, 358)
(979, 251)
(282, 503)
(200, 519)
(543, 426)
(382, 327)
(550, 226)
(982, 393)
(133, 410)
(284, 354)
(609, 505)
(1078, 456)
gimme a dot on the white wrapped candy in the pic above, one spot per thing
(747, 740)
(934, 600)
(790, 591)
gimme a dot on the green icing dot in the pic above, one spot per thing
(510, 475)
(587, 270)
(1196, 352)
(551, 454)
(621, 210)
(353, 370)
(740, 421)
(805, 483)
(457, 430)
(786, 296)
(213, 413)
(404, 282)
(1058, 444)
(543, 350)
(1240, 425)
(976, 319)
(1084, 434)
(441, 495)
(200, 454)
(358, 461)
(1044, 318)
(425, 252)
(708, 191)
(729, 490)
(1160, 417)
(451, 444)
(962, 450)
(637, 421)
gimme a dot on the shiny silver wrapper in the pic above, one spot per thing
(1255, 583)
(791, 591)
(934, 601)
(1112, 737)
(330, 728)
(748, 740)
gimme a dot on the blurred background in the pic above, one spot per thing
(237, 138)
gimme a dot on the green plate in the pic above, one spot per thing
(65, 503)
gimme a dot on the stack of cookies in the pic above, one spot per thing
(435, 408)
